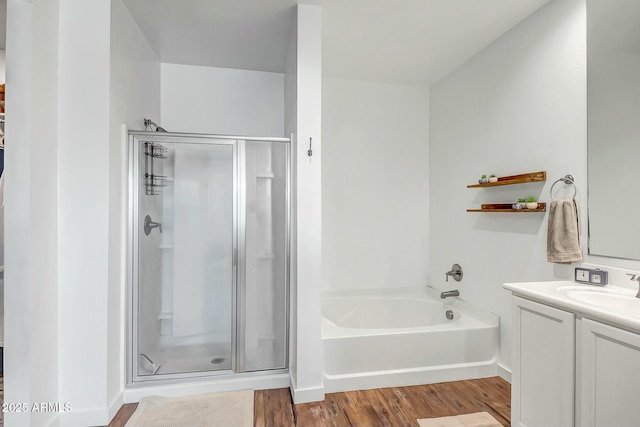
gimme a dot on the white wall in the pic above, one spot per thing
(291, 129)
(307, 210)
(57, 202)
(31, 336)
(3, 66)
(375, 185)
(83, 208)
(135, 94)
(222, 101)
(518, 106)
(64, 321)
(44, 239)
(17, 319)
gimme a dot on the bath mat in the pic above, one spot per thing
(232, 409)
(477, 419)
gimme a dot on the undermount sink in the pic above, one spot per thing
(612, 298)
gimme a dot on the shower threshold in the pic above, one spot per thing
(185, 359)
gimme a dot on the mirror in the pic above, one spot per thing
(613, 99)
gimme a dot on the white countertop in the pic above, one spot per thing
(548, 293)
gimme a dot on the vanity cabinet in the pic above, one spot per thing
(542, 389)
(572, 371)
(609, 383)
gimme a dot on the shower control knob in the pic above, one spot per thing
(150, 225)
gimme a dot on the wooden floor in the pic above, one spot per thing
(388, 407)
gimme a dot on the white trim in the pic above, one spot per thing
(504, 373)
(84, 417)
(55, 422)
(149, 136)
(124, 254)
(115, 406)
(306, 395)
(408, 377)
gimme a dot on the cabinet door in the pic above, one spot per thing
(610, 383)
(542, 390)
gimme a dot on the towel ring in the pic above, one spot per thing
(568, 179)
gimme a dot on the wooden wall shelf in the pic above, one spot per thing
(506, 207)
(514, 179)
(510, 180)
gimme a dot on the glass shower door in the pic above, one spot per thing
(209, 273)
(185, 294)
(264, 246)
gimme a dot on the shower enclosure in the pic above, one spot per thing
(209, 232)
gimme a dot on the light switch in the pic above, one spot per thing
(582, 275)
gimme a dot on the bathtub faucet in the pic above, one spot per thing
(447, 294)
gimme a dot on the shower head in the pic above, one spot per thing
(149, 122)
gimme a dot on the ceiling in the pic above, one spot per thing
(412, 41)
(397, 41)
(245, 34)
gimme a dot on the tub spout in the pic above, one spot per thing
(448, 294)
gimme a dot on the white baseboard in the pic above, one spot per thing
(85, 417)
(55, 422)
(504, 373)
(115, 405)
(306, 395)
(98, 416)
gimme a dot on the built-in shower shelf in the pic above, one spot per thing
(514, 179)
(265, 175)
(266, 256)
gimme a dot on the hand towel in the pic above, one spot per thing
(563, 234)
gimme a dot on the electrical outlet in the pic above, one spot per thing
(599, 277)
(591, 277)
(582, 275)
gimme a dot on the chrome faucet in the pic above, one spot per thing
(456, 273)
(447, 294)
(635, 278)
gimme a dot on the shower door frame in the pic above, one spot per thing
(134, 139)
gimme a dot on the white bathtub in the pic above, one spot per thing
(386, 338)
